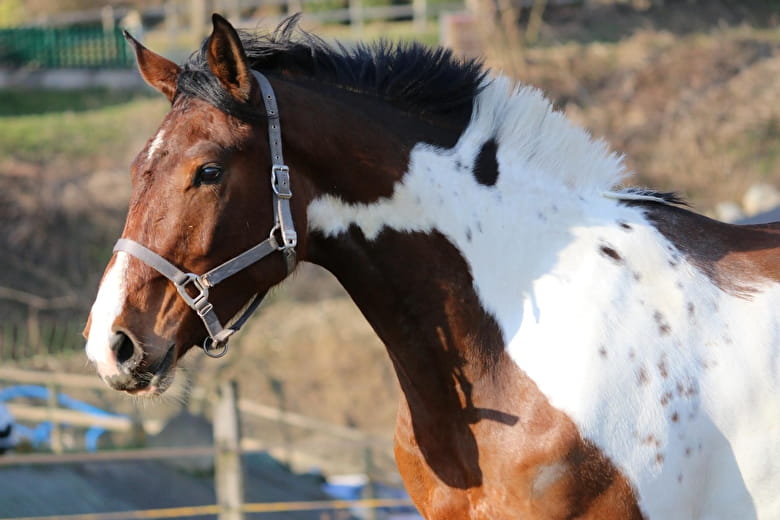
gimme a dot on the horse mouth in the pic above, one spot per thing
(156, 380)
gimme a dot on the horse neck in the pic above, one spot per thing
(399, 214)
(415, 291)
(355, 150)
(440, 259)
(350, 145)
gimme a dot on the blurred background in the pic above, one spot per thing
(686, 89)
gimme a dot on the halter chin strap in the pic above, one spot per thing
(194, 288)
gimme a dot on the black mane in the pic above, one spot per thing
(666, 197)
(410, 76)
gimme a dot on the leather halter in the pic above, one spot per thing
(216, 344)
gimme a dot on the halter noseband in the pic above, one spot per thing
(216, 344)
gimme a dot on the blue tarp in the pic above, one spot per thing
(41, 434)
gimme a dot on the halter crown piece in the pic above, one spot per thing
(282, 238)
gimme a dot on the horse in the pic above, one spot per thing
(566, 347)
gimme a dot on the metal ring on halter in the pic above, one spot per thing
(276, 244)
(217, 352)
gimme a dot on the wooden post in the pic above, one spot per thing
(33, 331)
(369, 492)
(230, 8)
(278, 388)
(356, 17)
(172, 19)
(198, 17)
(228, 473)
(420, 15)
(107, 18)
(52, 405)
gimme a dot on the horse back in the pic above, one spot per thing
(737, 258)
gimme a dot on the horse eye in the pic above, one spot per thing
(209, 174)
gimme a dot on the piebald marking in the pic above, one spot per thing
(672, 378)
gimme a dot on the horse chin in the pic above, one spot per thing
(148, 391)
(160, 377)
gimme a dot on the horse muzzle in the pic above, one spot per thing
(131, 371)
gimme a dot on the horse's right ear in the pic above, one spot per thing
(160, 73)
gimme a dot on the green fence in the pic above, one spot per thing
(69, 47)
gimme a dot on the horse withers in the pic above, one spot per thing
(565, 348)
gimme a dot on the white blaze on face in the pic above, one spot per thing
(156, 143)
(108, 304)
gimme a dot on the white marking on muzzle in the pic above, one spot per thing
(108, 304)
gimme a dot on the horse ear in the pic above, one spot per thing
(158, 72)
(228, 62)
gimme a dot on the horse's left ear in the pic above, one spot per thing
(229, 64)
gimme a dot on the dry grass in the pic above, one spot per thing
(695, 114)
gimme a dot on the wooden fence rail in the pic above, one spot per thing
(254, 409)
(368, 453)
(40, 377)
(226, 451)
(52, 412)
(260, 507)
(32, 413)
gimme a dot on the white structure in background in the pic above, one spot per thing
(757, 206)
(133, 23)
(760, 198)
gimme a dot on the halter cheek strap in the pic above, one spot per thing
(280, 175)
(194, 288)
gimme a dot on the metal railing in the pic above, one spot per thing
(64, 47)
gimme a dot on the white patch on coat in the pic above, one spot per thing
(548, 475)
(108, 304)
(675, 398)
(155, 144)
(676, 381)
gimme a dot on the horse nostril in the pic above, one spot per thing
(123, 347)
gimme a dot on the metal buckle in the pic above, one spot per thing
(280, 181)
(290, 238)
(204, 310)
(203, 292)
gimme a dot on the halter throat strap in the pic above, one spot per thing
(194, 288)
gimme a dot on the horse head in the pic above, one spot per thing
(203, 193)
